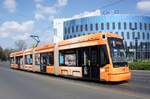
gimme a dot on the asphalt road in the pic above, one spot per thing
(15, 84)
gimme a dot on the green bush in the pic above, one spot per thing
(140, 65)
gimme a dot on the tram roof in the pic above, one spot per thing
(90, 37)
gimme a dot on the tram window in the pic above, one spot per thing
(68, 58)
(46, 58)
(28, 59)
(17, 60)
(95, 56)
(12, 60)
(51, 61)
(103, 55)
(61, 59)
(21, 60)
(37, 59)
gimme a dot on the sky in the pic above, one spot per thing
(21, 18)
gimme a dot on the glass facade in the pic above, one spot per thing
(134, 29)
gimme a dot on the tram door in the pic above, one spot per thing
(43, 62)
(94, 62)
(86, 63)
(90, 63)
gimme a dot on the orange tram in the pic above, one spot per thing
(99, 56)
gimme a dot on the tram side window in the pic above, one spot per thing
(21, 60)
(51, 59)
(37, 59)
(68, 58)
(28, 59)
(104, 59)
(44, 58)
(47, 58)
(61, 59)
(12, 60)
(17, 60)
(94, 55)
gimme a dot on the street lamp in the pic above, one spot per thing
(36, 38)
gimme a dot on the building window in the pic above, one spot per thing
(102, 26)
(138, 35)
(74, 35)
(135, 26)
(128, 35)
(145, 26)
(107, 26)
(68, 30)
(122, 34)
(65, 30)
(96, 26)
(140, 26)
(133, 35)
(81, 28)
(70, 36)
(67, 37)
(113, 25)
(149, 26)
(130, 44)
(119, 25)
(91, 27)
(72, 29)
(86, 28)
(143, 35)
(77, 28)
(148, 36)
(130, 26)
(140, 44)
(125, 25)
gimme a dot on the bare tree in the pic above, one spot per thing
(1, 53)
(20, 45)
(4, 54)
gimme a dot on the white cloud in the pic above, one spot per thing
(144, 5)
(15, 30)
(62, 3)
(43, 11)
(10, 5)
(87, 14)
(39, 16)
